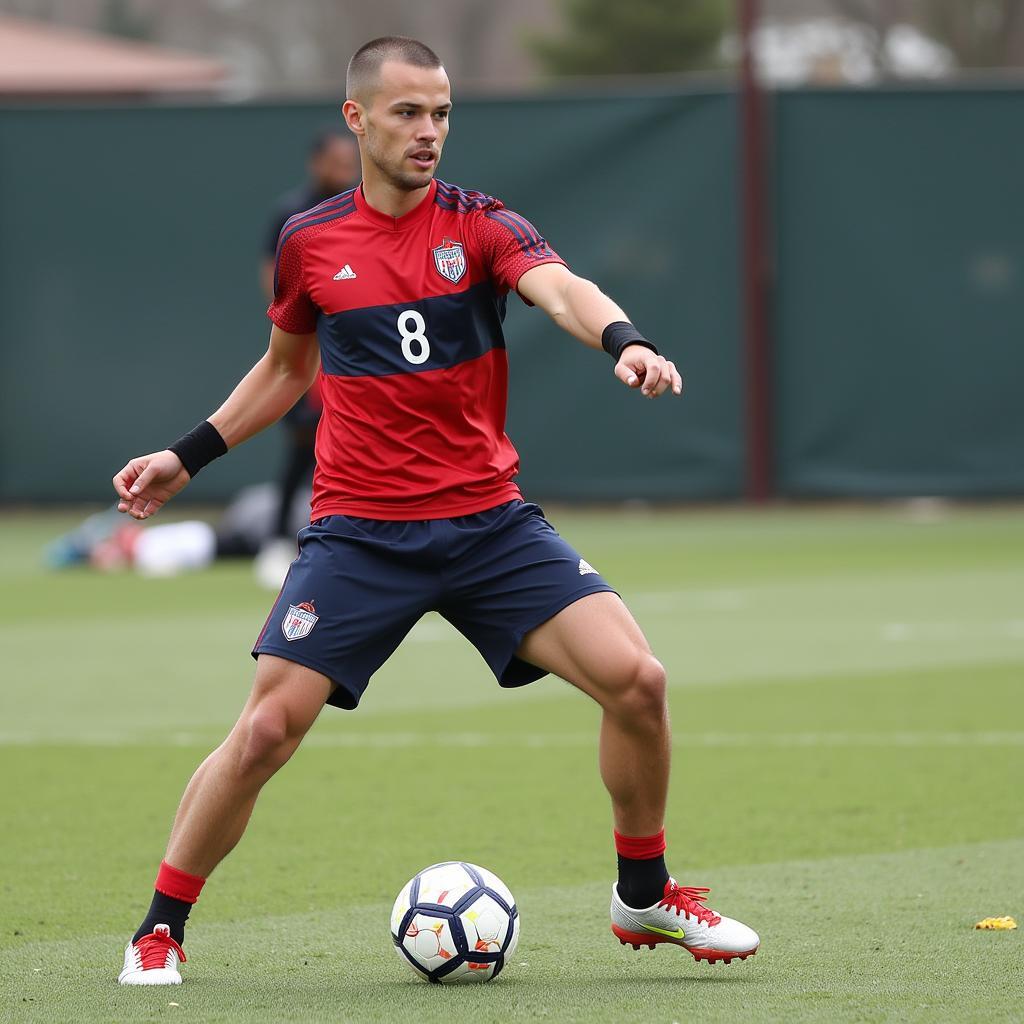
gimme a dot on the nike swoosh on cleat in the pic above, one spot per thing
(677, 934)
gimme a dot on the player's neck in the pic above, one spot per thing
(391, 201)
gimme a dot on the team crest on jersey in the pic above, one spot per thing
(299, 620)
(450, 260)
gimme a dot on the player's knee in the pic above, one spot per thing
(643, 697)
(265, 742)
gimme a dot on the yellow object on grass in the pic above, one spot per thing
(997, 924)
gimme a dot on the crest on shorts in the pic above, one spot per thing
(450, 260)
(299, 620)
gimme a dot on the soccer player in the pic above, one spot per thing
(398, 286)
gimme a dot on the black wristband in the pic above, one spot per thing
(202, 444)
(615, 337)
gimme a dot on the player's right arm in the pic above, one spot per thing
(262, 397)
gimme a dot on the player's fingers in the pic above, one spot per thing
(652, 377)
(669, 377)
(145, 478)
(153, 506)
(123, 480)
(664, 381)
(677, 380)
(627, 375)
(135, 506)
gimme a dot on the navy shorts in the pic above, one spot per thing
(359, 585)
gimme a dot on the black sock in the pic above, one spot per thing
(165, 910)
(642, 882)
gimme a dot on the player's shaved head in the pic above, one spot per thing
(364, 68)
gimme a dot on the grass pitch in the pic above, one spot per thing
(848, 703)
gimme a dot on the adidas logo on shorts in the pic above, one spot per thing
(586, 567)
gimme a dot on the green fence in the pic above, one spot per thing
(900, 293)
(129, 302)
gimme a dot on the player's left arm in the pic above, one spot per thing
(581, 308)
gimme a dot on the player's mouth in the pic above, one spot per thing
(423, 158)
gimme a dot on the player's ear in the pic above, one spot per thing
(354, 117)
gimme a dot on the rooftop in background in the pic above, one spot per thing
(41, 59)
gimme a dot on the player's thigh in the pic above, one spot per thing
(595, 644)
(514, 572)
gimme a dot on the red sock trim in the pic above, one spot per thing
(177, 884)
(640, 847)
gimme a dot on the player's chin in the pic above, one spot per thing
(412, 180)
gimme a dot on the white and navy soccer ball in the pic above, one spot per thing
(455, 922)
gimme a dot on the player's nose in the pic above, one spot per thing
(426, 131)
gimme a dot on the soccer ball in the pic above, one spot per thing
(455, 922)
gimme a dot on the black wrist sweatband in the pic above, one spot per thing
(615, 337)
(202, 444)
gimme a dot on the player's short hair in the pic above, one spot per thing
(364, 67)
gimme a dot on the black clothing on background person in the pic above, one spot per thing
(295, 200)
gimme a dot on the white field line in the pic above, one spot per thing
(737, 599)
(937, 630)
(405, 740)
(682, 740)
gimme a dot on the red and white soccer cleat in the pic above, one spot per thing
(682, 919)
(153, 960)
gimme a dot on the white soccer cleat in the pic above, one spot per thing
(153, 960)
(682, 919)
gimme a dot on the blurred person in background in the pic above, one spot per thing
(333, 167)
(106, 542)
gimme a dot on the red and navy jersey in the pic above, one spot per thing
(414, 374)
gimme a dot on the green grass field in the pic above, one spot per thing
(848, 704)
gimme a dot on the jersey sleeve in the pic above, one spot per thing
(511, 245)
(292, 309)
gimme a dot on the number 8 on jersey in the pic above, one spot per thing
(415, 336)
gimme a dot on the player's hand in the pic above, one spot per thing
(639, 367)
(147, 482)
